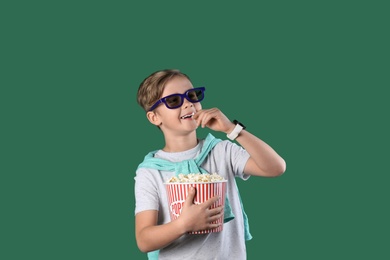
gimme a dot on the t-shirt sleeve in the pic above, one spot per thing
(238, 158)
(145, 190)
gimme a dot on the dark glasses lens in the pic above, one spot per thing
(173, 101)
(192, 95)
(176, 100)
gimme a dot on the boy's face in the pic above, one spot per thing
(176, 121)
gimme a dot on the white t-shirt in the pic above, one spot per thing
(228, 160)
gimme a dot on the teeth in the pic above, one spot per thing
(187, 116)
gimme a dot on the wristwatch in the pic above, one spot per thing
(236, 131)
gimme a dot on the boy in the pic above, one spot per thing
(173, 105)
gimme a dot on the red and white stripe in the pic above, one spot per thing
(177, 193)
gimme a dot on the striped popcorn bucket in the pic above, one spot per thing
(177, 193)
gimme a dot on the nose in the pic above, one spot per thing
(187, 104)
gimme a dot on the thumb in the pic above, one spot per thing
(190, 196)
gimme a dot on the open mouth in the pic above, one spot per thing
(188, 116)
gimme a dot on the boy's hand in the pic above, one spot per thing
(197, 217)
(214, 119)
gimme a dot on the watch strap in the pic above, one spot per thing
(236, 131)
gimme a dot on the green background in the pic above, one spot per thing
(307, 77)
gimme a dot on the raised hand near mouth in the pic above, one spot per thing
(214, 119)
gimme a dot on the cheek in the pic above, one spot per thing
(168, 114)
(172, 114)
(198, 106)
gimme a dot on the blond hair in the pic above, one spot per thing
(152, 87)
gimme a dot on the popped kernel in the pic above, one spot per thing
(195, 177)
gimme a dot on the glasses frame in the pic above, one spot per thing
(185, 95)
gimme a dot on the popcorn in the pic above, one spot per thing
(195, 177)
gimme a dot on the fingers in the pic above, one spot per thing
(214, 119)
(208, 203)
(215, 214)
(201, 216)
(202, 117)
(190, 197)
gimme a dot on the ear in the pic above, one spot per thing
(153, 118)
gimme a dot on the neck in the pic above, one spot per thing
(180, 143)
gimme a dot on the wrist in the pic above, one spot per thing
(236, 130)
(231, 128)
(181, 226)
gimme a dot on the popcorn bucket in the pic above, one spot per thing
(177, 193)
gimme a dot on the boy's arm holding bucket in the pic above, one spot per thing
(194, 217)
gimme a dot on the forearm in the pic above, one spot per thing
(151, 236)
(156, 237)
(267, 160)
